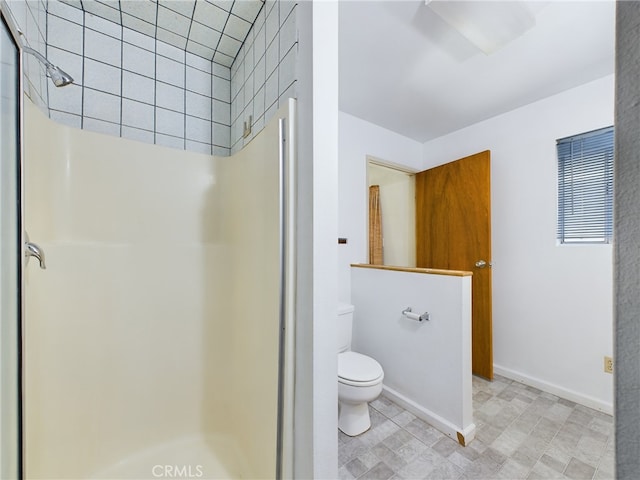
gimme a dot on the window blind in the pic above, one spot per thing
(585, 187)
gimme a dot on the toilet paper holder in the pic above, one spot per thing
(407, 312)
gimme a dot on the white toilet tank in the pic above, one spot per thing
(345, 324)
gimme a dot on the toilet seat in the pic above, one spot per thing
(358, 370)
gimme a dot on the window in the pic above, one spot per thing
(585, 187)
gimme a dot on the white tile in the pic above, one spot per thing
(170, 51)
(19, 13)
(270, 5)
(211, 15)
(165, 37)
(100, 126)
(223, 59)
(237, 28)
(170, 97)
(238, 104)
(65, 11)
(198, 62)
(234, 110)
(138, 60)
(247, 9)
(200, 50)
(287, 94)
(221, 151)
(198, 129)
(271, 90)
(137, 134)
(67, 99)
(198, 105)
(229, 46)
(204, 35)
(33, 28)
(288, 35)
(258, 125)
(198, 81)
(226, 5)
(169, 123)
(250, 59)
(143, 10)
(169, 141)
(172, 21)
(236, 84)
(69, 62)
(103, 26)
(65, 35)
(221, 135)
(272, 58)
(287, 70)
(102, 106)
(102, 48)
(185, 7)
(138, 39)
(138, 87)
(221, 112)
(248, 90)
(65, 118)
(259, 74)
(221, 71)
(137, 114)
(170, 71)
(287, 10)
(134, 23)
(270, 111)
(272, 25)
(198, 147)
(259, 44)
(260, 19)
(222, 89)
(103, 11)
(101, 76)
(258, 102)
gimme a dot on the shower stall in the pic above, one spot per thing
(158, 341)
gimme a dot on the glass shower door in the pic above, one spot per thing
(10, 256)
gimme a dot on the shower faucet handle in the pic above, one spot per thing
(33, 250)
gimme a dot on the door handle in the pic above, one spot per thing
(33, 250)
(482, 264)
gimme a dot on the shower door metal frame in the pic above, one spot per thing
(15, 34)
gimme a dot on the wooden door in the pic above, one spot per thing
(453, 231)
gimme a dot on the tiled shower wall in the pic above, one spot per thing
(263, 75)
(131, 85)
(31, 18)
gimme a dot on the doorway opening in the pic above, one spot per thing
(397, 212)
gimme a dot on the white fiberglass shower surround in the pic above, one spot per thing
(157, 342)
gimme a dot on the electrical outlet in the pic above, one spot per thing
(608, 364)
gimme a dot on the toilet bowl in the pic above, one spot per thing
(359, 382)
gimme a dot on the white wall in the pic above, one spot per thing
(357, 140)
(552, 305)
(427, 365)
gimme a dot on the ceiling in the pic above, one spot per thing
(212, 29)
(408, 70)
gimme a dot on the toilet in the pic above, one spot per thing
(359, 379)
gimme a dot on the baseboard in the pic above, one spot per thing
(460, 435)
(557, 390)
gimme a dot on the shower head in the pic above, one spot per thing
(59, 77)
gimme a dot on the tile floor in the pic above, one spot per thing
(522, 433)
